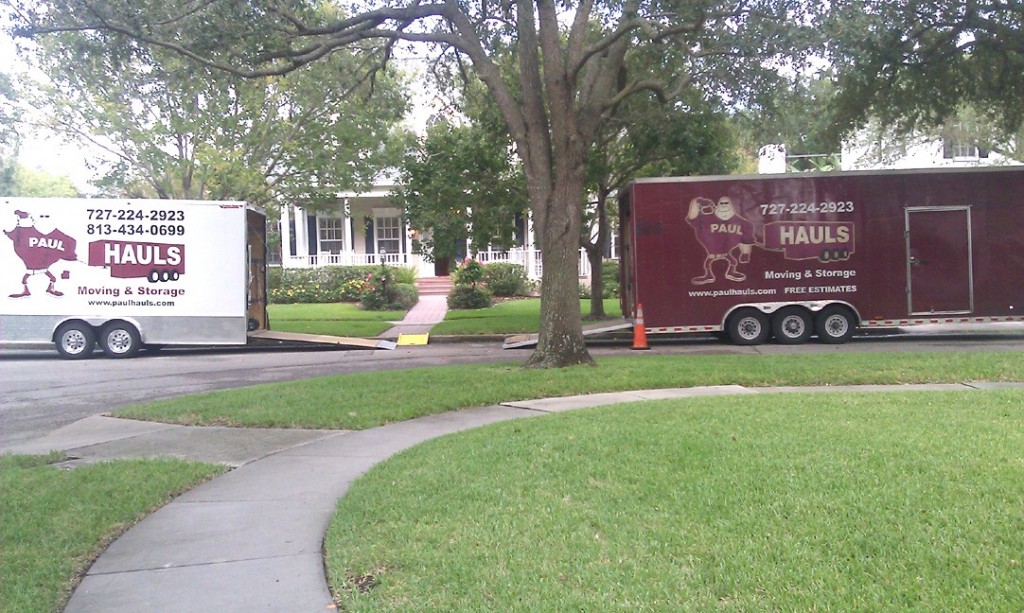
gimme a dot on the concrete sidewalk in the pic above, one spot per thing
(429, 311)
(251, 539)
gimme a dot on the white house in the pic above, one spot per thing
(866, 153)
(366, 228)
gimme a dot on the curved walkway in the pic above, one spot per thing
(251, 539)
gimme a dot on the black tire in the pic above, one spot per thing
(792, 325)
(747, 327)
(75, 340)
(835, 324)
(120, 339)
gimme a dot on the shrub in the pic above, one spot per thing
(351, 290)
(381, 292)
(610, 279)
(469, 297)
(504, 279)
(274, 277)
(470, 273)
(405, 275)
(406, 295)
(309, 285)
(379, 284)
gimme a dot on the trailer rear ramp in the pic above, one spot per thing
(278, 336)
(595, 329)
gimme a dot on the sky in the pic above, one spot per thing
(41, 151)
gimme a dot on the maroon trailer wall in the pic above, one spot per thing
(826, 237)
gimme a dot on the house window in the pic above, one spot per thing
(332, 234)
(389, 234)
(959, 146)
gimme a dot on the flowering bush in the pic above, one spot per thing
(469, 274)
(326, 284)
(382, 292)
(469, 291)
(374, 295)
(351, 290)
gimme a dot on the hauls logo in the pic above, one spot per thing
(826, 241)
(127, 260)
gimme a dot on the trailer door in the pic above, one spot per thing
(939, 260)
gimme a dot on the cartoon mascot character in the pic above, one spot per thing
(39, 251)
(724, 234)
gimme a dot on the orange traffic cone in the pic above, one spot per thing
(639, 332)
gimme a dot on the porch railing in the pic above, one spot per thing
(527, 258)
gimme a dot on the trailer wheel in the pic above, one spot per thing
(120, 339)
(75, 340)
(835, 324)
(747, 327)
(792, 325)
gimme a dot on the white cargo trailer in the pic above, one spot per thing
(130, 273)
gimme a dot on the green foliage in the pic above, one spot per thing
(406, 295)
(274, 276)
(35, 183)
(461, 182)
(316, 285)
(505, 279)
(381, 292)
(404, 274)
(469, 273)
(181, 130)
(610, 279)
(916, 64)
(469, 297)
(798, 116)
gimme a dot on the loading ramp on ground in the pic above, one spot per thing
(599, 328)
(269, 337)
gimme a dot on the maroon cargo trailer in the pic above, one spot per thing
(795, 255)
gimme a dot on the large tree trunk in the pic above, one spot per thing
(560, 341)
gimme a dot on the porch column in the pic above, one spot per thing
(350, 248)
(286, 236)
(406, 242)
(469, 232)
(301, 235)
(529, 247)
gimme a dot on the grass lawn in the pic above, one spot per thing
(858, 502)
(365, 400)
(54, 522)
(335, 319)
(509, 317)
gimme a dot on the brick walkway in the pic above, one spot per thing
(430, 310)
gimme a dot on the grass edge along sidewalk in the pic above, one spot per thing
(54, 522)
(369, 399)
